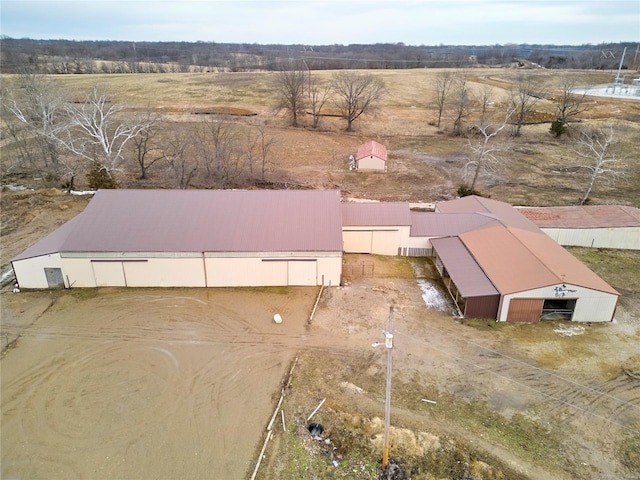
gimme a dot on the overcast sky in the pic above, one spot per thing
(311, 22)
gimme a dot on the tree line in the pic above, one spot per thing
(55, 139)
(87, 57)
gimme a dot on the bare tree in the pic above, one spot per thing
(485, 148)
(97, 133)
(183, 166)
(568, 106)
(147, 154)
(318, 96)
(265, 144)
(442, 83)
(486, 100)
(357, 93)
(524, 96)
(217, 145)
(596, 146)
(35, 119)
(289, 90)
(461, 103)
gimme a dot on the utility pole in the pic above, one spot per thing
(388, 342)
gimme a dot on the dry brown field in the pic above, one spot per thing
(182, 383)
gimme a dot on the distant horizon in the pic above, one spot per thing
(440, 45)
(327, 22)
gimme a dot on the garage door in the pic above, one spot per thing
(303, 272)
(357, 241)
(525, 309)
(385, 242)
(108, 273)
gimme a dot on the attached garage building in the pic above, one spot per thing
(533, 278)
(192, 238)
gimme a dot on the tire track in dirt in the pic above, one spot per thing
(601, 411)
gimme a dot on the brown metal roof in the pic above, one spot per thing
(203, 221)
(51, 243)
(563, 264)
(375, 214)
(517, 260)
(585, 216)
(428, 224)
(372, 148)
(469, 278)
(504, 212)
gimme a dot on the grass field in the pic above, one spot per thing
(426, 163)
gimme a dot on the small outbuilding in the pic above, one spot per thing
(371, 156)
(192, 238)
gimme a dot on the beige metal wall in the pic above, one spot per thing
(30, 272)
(627, 238)
(135, 272)
(376, 240)
(184, 270)
(273, 270)
(372, 163)
(591, 305)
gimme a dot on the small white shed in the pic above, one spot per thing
(371, 156)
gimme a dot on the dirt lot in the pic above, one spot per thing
(143, 383)
(154, 383)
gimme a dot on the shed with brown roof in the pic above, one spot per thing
(371, 156)
(192, 238)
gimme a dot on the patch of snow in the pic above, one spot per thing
(16, 188)
(569, 330)
(433, 297)
(6, 275)
(361, 200)
(82, 192)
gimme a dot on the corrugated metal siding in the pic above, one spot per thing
(525, 309)
(627, 238)
(482, 307)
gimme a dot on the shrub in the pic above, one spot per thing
(557, 128)
(99, 177)
(465, 191)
